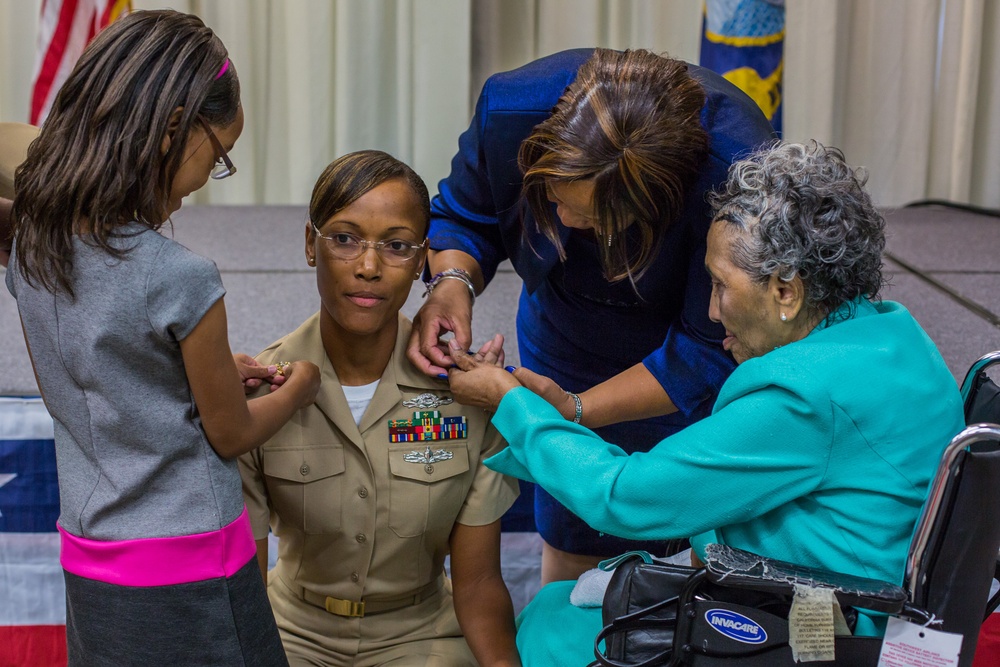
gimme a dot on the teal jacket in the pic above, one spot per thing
(819, 452)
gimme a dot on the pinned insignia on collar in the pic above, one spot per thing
(427, 400)
(427, 456)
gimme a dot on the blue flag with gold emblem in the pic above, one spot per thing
(743, 40)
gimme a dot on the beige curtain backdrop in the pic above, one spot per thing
(908, 88)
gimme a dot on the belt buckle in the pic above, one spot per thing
(348, 608)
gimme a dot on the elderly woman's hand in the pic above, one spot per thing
(548, 389)
(479, 379)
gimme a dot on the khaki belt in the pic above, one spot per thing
(359, 608)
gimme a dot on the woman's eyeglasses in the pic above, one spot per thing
(224, 167)
(394, 252)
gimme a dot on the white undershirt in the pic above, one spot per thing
(358, 399)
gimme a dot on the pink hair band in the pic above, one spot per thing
(225, 66)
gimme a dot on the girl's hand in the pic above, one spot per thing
(252, 374)
(302, 378)
(476, 380)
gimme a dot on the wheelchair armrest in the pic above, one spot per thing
(727, 566)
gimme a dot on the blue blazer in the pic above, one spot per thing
(479, 210)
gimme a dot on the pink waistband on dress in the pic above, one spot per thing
(161, 561)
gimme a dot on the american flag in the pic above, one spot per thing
(65, 29)
(32, 591)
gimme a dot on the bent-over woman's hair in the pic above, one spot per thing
(802, 210)
(98, 157)
(631, 122)
(349, 177)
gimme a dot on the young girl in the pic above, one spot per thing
(127, 333)
(367, 510)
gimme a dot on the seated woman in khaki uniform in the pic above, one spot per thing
(372, 486)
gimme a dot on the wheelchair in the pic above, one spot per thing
(950, 565)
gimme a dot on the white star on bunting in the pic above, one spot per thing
(4, 478)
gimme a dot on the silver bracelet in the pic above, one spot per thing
(452, 274)
(579, 407)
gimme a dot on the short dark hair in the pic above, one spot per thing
(98, 156)
(631, 122)
(349, 177)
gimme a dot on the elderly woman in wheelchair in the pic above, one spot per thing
(822, 443)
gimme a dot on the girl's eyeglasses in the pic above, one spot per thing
(224, 167)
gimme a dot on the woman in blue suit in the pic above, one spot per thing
(588, 170)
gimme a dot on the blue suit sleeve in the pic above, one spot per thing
(691, 364)
(464, 212)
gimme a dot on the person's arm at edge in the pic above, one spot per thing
(482, 601)
(232, 424)
(5, 228)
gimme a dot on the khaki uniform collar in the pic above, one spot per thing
(399, 374)
(306, 343)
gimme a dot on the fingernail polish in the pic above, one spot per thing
(443, 376)
(510, 369)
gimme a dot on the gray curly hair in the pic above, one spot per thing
(802, 210)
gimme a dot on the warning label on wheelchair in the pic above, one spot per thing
(910, 645)
(811, 624)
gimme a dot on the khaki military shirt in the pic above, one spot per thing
(358, 516)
